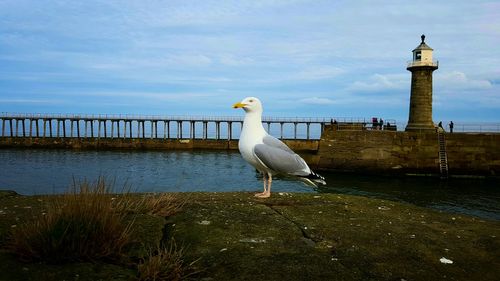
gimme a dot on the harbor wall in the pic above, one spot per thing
(390, 152)
(140, 143)
(361, 151)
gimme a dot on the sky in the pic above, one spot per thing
(301, 58)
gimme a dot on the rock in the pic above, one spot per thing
(8, 193)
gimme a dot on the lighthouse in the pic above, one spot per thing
(421, 68)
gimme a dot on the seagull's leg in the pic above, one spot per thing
(269, 183)
(264, 179)
(267, 191)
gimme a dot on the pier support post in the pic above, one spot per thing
(98, 129)
(295, 130)
(217, 130)
(3, 127)
(44, 128)
(58, 127)
(24, 127)
(281, 130)
(192, 129)
(64, 127)
(143, 129)
(229, 130)
(124, 128)
(31, 128)
(112, 128)
(71, 128)
(205, 130)
(37, 128)
(92, 128)
(268, 127)
(78, 128)
(308, 125)
(50, 127)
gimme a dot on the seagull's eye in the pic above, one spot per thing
(250, 100)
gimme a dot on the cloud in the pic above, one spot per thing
(160, 96)
(379, 82)
(234, 60)
(458, 80)
(32, 101)
(318, 73)
(317, 101)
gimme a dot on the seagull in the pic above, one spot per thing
(267, 154)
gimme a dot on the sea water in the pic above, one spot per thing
(30, 172)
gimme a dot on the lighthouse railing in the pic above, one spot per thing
(413, 63)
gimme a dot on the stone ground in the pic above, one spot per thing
(293, 236)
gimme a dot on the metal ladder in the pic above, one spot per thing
(443, 157)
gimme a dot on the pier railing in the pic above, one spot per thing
(9, 115)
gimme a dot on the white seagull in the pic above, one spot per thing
(268, 154)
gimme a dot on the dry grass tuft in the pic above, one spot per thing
(165, 264)
(81, 225)
(90, 223)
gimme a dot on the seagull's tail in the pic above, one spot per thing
(313, 179)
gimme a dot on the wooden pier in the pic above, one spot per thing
(151, 127)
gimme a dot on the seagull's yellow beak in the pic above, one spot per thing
(239, 105)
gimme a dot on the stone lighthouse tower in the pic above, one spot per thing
(421, 67)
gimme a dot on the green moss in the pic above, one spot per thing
(333, 237)
(294, 236)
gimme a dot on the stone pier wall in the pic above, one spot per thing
(139, 143)
(363, 151)
(408, 152)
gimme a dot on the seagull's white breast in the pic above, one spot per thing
(251, 135)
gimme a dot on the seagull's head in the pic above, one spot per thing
(249, 104)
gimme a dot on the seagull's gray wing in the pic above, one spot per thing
(276, 143)
(279, 158)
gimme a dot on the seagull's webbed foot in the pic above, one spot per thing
(263, 195)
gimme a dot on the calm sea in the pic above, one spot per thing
(53, 171)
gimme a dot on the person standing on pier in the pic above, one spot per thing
(451, 126)
(440, 126)
(374, 123)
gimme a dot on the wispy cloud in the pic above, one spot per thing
(31, 101)
(379, 82)
(457, 80)
(317, 101)
(319, 73)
